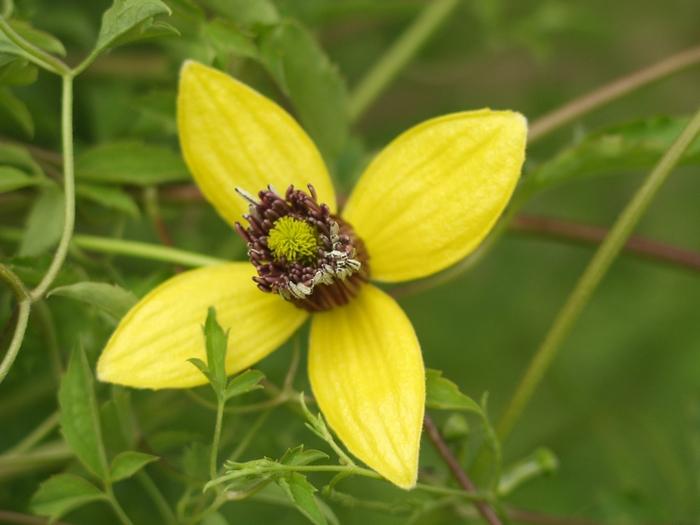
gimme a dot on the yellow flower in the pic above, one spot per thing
(424, 203)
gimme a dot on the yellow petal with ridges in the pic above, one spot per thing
(151, 345)
(232, 136)
(367, 376)
(433, 194)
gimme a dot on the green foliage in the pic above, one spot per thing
(129, 162)
(108, 298)
(301, 493)
(128, 463)
(44, 222)
(80, 421)
(12, 179)
(109, 197)
(129, 20)
(441, 393)
(17, 110)
(62, 493)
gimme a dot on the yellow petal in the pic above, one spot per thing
(434, 193)
(153, 342)
(232, 136)
(367, 376)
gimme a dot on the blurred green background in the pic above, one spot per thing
(620, 408)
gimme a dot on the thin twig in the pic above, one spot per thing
(7, 516)
(559, 229)
(458, 473)
(612, 91)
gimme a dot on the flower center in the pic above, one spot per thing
(292, 239)
(301, 251)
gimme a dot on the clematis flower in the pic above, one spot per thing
(424, 203)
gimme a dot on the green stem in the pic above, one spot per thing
(68, 189)
(214, 458)
(398, 55)
(594, 273)
(23, 310)
(142, 250)
(157, 497)
(250, 435)
(114, 503)
(39, 433)
(40, 57)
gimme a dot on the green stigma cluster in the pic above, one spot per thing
(292, 239)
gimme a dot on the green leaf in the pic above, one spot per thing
(17, 111)
(244, 383)
(108, 197)
(131, 163)
(39, 38)
(13, 179)
(443, 394)
(301, 492)
(109, 298)
(227, 39)
(124, 16)
(16, 70)
(245, 12)
(202, 367)
(129, 463)
(540, 463)
(216, 345)
(44, 223)
(299, 456)
(19, 157)
(618, 149)
(318, 92)
(79, 416)
(62, 493)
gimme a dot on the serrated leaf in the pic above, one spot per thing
(244, 382)
(313, 84)
(62, 493)
(110, 298)
(299, 456)
(123, 16)
(17, 110)
(79, 417)
(129, 463)
(12, 179)
(44, 224)
(301, 493)
(131, 163)
(443, 394)
(108, 197)
(618, 149)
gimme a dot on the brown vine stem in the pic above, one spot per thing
(558, 229)
(606, 94)
(484, 508)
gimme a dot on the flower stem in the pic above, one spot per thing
(594, 273)
(213, 460)
(68, 189)
(157, 497)
(400, 53)
(612, 91)
(23, 309)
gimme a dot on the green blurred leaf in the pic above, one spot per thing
(443, 394)
(314, 85)
(245, 12)
(299, 456)
(125, 16)
(227, 39)
(39, 38)
(19, 157)
(16, 70)
(216, 345)
(301, 493)
(618, 149)
(13, 179)
(17, 111)
(79, 416)
(129, 463)
(62, 493)
(109, 197)
(131, 163)
(44, 223)
(109, 298)
(244, 383)
(539, 463)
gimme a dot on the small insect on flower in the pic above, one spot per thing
(425, 202)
